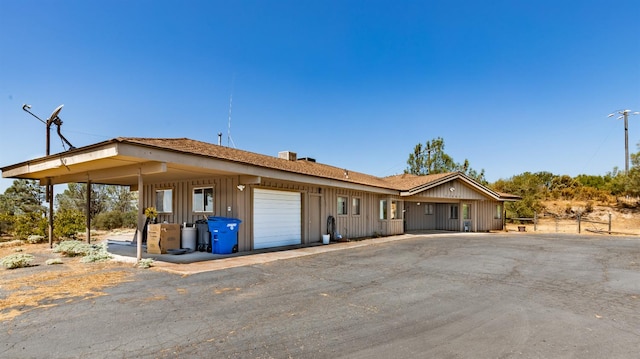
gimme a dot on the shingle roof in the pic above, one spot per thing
(186, 145)
(402, 182)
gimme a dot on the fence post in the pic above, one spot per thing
(579, 223)
(557, 220)
(535, 221)
(609, 222)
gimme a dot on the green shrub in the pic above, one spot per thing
(67, 223)
(72, 248)
(17, 260)
(35, 239)
(97, 253)
(89, 252)
(6, 222)
(145, 263)
(115, 219)
(33, 223)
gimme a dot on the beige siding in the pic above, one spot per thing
(229, 201)
(416, 217)
(460, 191)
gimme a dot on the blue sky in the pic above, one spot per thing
(512, 86)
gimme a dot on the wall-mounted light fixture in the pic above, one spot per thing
(240, 187)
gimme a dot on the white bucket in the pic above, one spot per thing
(325, 238)
(189, 238)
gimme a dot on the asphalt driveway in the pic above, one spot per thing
(457, 296)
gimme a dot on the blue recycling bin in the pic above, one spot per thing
(224, 234)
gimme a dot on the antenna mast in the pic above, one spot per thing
(229, 139)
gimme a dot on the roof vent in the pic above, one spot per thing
(309, 159)
(287, 155)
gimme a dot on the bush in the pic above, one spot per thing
(89, 252)
(35, 239)
(53, 261)
(6, 222)
(72, 248)
(17, 260)
(33, 223)
(67, 223)
(145, 263)
(115, 219)
(97, 253)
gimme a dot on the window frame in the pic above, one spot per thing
(498, 212)
(355, 206)
(342, 205)
(162, 209)
(454, 214)
(466, 211)
(383, 209)
(395, 210)
(428, 209)
(204, 198)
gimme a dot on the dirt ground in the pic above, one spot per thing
(560, 217)
(42, 285)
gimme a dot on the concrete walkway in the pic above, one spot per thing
(260, 258)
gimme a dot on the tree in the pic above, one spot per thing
(432, 160)
(110, 206)
(531, 187)
(21, 209)
(24, 196)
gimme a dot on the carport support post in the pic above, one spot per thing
(141, 217)
(88, 211)
(49, 196)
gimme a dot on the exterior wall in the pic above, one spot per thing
(443, 222)
(229, 201)
(416, 218)
(483, 217)
(368, 223)
(486, 218)
(460, 191)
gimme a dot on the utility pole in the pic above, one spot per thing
(624, 114)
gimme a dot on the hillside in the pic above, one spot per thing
(560, 216)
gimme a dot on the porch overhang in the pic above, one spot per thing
(115, 162)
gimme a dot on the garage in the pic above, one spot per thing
(276, 218)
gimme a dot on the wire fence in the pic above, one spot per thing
(564, 224)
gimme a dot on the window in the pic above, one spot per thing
(396, 213)
(342, 205)
(203, 199)
(428, 208)
(498, 214)
(383, 209)
(164, 200)
(466, 211)
(355, 206)
(453, 211)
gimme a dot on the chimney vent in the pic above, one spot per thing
(287, 155)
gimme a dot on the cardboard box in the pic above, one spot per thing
(162, 236)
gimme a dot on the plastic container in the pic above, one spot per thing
(188, 238)
(204, 237)
(326, 238)
(224, 234)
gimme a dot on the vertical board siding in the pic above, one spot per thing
(228, 196)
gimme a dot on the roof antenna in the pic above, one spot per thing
(229, 139)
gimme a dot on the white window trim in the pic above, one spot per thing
(193, 190)
(164, 200)
(353, 213)
(346, 205)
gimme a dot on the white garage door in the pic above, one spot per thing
(276, 218)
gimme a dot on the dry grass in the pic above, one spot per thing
(41, 286)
